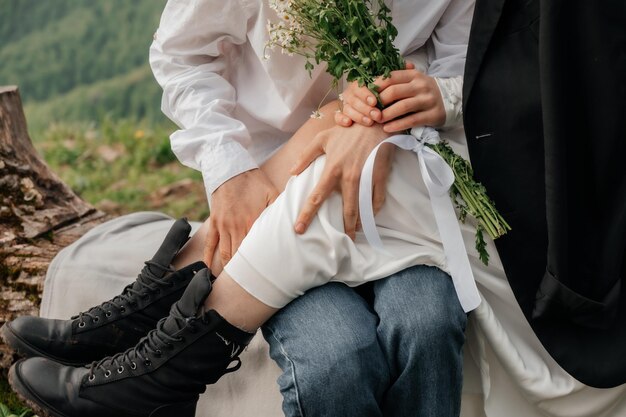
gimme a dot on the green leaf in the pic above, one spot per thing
(309, 67)
(481, 246)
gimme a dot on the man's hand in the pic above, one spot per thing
(411, 98)
(235, 206)
(346, 150)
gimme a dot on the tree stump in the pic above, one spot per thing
(39, 215)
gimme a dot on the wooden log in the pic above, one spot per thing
(39, 215)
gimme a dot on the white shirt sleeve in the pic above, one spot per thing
(447, 46)
(192, 50)
(452, 92)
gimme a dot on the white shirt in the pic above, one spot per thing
(235, 109)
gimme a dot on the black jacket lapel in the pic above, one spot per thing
(486, 17)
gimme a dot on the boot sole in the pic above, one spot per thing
(32, 400)
(24, 349)
(27, 396)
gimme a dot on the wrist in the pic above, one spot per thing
(235, 182)
(451, 90)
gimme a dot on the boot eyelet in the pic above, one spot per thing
(82, 324)
(92, 378)
(159, 353)
(148, 362)
(133, 366)
(108, 314)
(96, 319)
(181, 339)
(120, 369)
(107, 373)
(122, 309)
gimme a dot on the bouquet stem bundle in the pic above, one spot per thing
(355, 39)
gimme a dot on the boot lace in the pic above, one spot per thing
(151, 346)
(149, 282)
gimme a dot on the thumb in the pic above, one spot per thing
(210, 245)
(314, 149)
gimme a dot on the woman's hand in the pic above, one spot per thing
(359, 105)
(235, 206)
(410, 97)
(346, 151)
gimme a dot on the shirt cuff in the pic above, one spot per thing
(452, 92)
(219, 164)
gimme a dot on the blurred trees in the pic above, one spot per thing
(80, 59)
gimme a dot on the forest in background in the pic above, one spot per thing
(81, 60)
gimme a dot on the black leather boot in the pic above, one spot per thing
(162, 376)
(114, 325)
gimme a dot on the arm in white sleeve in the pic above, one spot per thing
(447, 46)
(447, 49)
(192, 50)
(451, 89)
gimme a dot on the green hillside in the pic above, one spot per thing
(133, 95)
(80, 59)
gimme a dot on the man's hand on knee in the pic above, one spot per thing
(235, 206)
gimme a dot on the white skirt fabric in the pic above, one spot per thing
(506, 370)
(276, 265)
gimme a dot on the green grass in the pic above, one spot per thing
(10, 405)
(123, 166)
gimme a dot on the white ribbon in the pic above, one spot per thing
(438, 177)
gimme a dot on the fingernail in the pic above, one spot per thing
(374, 114)
(300, 227)
(345, 120)
(367, 120)
(371, 101)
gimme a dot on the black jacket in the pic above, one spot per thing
(545, 117)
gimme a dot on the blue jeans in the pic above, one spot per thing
(397, 355)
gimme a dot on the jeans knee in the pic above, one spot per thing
(421, 308)
(317, 383)
(344, 363)
(327, 347)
